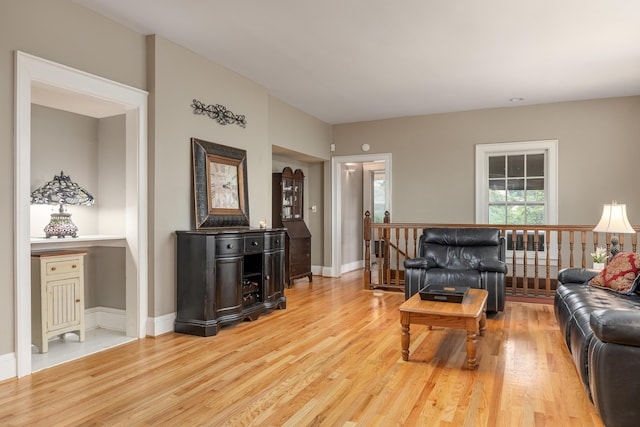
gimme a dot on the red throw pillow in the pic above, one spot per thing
(620, 274)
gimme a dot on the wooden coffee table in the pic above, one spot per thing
(470, 315)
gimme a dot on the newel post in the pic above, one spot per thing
(366, 232)
(385, 250)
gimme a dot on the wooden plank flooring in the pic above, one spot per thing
(332, 358)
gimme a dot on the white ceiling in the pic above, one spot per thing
(353, 60)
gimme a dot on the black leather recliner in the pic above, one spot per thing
(473, 257)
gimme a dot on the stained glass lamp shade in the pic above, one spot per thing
(61, 191)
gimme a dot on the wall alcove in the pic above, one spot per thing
(67, 89)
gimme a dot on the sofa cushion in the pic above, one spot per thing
(616, 326)
(620, 275)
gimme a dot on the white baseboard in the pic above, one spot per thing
(345, 268)
(116, 320)
(328, 272)
(105, 317)
(316, 270)
(8, 366)
(160, 325)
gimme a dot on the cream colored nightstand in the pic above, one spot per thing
(57, 298)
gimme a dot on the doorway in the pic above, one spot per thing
(338, 166)
(73, 90)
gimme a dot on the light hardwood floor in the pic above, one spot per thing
(332, 358)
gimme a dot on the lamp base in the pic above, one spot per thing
(61, 226)
(615, 247)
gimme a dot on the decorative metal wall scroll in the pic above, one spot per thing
(219, 113)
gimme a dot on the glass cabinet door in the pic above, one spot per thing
(288, 197)
(297, 199)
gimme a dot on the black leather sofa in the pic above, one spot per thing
(473, 257)
(602, 331)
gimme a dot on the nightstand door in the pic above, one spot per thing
(64, 298)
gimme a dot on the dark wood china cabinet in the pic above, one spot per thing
(288, 190)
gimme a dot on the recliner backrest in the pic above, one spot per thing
(461, 248)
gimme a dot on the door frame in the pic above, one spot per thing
(336, 210)
(132, 102)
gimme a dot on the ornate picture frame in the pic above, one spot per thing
(220, 186)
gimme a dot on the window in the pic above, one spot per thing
(516, 188)
(516, 183)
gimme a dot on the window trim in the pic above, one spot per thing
(550, 147)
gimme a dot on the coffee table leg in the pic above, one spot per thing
(405, 339)
(483, 323)
(472, 344)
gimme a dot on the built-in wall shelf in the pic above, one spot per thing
(42, 243)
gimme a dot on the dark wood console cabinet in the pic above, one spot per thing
(227, 276)
(288, 212)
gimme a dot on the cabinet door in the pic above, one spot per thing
(273, 275)
(63, 303)
(228, 286)
(297, 200)
(288, 198)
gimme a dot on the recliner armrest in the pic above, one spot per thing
(424, 263)
(576, 275)
(619, 326)
(492, 265)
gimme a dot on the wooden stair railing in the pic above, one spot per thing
(532, 272)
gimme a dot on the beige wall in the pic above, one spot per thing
(68, 142)
(317, 220)
(111, 172)
(91, 152)
(351, 200)
(63, 32)
(433, 156)
(179, 76)
(312, 196)
(295, 130)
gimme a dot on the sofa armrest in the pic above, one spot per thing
(492, 265)
(619, 326)
(576, 275)
(424, 263)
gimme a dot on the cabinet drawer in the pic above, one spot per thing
(253, 244)
(229, 246)
(63, 267)
(274, 241)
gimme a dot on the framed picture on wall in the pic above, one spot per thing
(219, 185)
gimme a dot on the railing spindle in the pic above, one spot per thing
(583, 245)
(536, 242)
(559, 250)
(381, 255)
(547, 284)
(571, 238)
